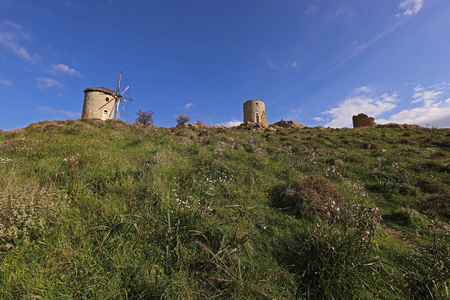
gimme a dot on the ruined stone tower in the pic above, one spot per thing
(362, 120)
(255, 112)
(98, 103)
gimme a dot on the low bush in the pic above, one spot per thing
(313, 198)
(26, 211)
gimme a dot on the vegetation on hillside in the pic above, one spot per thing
(105, 210)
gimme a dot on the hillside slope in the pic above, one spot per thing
(105, 210)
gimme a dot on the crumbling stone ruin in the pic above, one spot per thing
(255, 112)
(362, 120)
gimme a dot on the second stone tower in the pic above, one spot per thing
(255, 112)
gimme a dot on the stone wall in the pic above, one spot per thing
(98, 104)
(255, 112)
(363, 120)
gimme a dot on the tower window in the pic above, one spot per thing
(256, 104)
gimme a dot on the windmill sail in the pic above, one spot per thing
(119, 99)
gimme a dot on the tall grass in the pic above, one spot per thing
(105, 210)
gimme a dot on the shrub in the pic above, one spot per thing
(313, 198)
(182, 119)
(25, 211)
(436, 205)
(145, 117)
(431, 186)
(331, 259)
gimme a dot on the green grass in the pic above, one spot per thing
(105, 210)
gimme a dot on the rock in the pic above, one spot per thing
(290, 124)
(399, 126)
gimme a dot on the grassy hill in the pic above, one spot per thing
(105, 210)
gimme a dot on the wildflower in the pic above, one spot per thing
(4, 160)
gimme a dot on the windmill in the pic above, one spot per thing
(119, 99)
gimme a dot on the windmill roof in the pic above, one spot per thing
(100, 89)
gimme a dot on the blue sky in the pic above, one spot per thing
(317, 62)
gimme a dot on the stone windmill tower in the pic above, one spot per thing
(102, 103)
(255, 112)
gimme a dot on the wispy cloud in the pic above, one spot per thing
(70, 4)
(410, 7)
(359, 48)
(44, 83)
(282, 65)
(48, 109)
(11, 34)
(364, 89)
(189, 105)
(313, 8)
(6, 82)
(434, 109)
(234, 122)
(361, 100)
(345, 14)
(61, 68)
(295, 64)
(270, 62)
(429, 96)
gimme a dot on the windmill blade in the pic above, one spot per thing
(107, 103)
(118, 84)
(110, 114)
(125, 90)
(117, 110)
(129, 99)
(123, 108)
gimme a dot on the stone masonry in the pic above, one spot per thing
(98, 103)
(362, 120)
(255, 112)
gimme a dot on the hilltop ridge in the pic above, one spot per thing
(102, 209)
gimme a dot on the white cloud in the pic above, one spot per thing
(438, 116)
(6, 82)
(44, 83)
(429, 96)
(364, 89)
(48, 109)
(234, 122)
(294, 64)
(270, 62)
(61, 68)
(10, 36)
(361, 100)
(410, 7)
(189, 105)
(434, 110)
